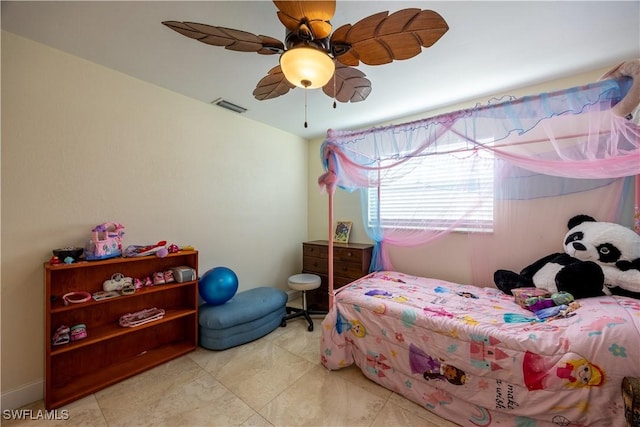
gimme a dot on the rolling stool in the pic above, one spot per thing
(303, 282)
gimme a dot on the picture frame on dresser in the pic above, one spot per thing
(342, 231)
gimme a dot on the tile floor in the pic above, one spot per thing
(277, 380)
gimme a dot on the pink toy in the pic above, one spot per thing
(106, 242)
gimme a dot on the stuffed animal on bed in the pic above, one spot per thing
(615, 248)
(599, 258)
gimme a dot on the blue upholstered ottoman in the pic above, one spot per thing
(247, 316)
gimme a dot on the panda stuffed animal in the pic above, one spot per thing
(615, 248)
(599, 258)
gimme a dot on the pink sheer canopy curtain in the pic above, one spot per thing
(591, 132)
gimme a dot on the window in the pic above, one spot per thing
(436, 191)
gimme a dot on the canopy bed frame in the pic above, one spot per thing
(472, 354)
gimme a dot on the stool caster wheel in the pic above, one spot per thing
(310, 328)
(283, 323)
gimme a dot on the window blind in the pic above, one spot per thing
(434, 192)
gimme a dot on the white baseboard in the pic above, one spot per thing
(29, 393)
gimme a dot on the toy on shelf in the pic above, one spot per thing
(116, 282)
(106, 242)
(131, 320)
(160, 249)
(68, 255)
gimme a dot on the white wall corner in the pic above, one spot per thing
(24, 395)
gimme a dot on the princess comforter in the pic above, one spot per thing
(475, 357)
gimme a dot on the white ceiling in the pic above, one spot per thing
(490, 48)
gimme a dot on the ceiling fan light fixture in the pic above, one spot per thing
(307, 67)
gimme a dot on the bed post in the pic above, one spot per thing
(328, 180)
(330, 261)
(636, 213)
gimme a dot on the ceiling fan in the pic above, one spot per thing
(312, 57)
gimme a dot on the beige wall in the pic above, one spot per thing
(451, 257)
(82, 144)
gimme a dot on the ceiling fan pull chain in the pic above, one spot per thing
(334, 91)
(305, 108)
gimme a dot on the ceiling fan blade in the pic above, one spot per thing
(315, 14)
(231, 39)
(341, 49)
(273, 85)
(351, 85)
(381, 38)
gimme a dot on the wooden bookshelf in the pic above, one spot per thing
(111, 353)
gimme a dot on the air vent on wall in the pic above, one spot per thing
(228, 105)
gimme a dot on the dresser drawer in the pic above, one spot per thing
(315, 265)
(340, 253)
(315, 251)
(349, 255)
(349, 270)
(350, 262)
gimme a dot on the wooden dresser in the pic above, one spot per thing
(350, 261)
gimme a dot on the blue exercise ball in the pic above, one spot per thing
(218, 285)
